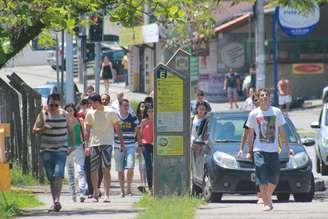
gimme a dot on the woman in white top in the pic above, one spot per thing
(198, 121)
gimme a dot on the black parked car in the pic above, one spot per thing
(217, 170)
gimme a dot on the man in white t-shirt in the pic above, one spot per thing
(267, 122)
(100, 125)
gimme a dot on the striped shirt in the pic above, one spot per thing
(128, 125)
(54, 137)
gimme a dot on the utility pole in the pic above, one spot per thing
(62, 66)
(260, 49)
(57, 60)
(69, 88)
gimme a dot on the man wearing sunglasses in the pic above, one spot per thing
(100, 125)
(54, 125)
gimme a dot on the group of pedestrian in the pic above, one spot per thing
(84, 140)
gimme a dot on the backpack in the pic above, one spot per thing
(232, 80)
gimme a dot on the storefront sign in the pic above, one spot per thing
(308, 68)
(169, 145)
(194, 67)
(139, 35)
(233, 55)
(298, 23)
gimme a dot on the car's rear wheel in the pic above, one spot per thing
(324, 169)
(283, 197)
(317, 164)
(208, 194)
(305, 197)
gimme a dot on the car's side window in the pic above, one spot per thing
(320, 117)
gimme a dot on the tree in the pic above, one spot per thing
(23, 20)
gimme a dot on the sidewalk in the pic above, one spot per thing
(118, 208)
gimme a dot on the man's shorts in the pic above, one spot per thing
(125, 159)
(232, 92)
(100, 155)
(287, 99)
(54, 163)
(267, 167)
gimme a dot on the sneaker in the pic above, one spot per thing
(57, 207)
(82, 198)
(267, 208)
(142, 189)
(260, 201)
(122, 195)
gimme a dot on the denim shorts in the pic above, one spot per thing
(267, 167)
(54, 163)
(125, 159)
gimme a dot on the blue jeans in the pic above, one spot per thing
(76, 160)
(147, 151)
(126, 77)
(267, 167)
(125, 159)
(54, 163)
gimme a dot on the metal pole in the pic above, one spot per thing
(84, 62)
(57, 59)
(69, 88)
(97, 66)
(274, 55)
(260, 50)
(62, 67)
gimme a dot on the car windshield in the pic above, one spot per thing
(230, 129)
(44, 91)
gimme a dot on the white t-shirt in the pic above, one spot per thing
(102, 126)
(266, 126)
(195, 125)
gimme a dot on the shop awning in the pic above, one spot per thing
(229, 24)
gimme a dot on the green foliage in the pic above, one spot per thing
(23, 20)
(12, 202)
(168, 207)
(18, 179)
(134, 105)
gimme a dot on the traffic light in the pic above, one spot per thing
(96, 29)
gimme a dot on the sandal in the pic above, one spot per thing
(106, 200)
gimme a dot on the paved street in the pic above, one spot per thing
(233, 206)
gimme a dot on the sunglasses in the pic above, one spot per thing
(53, 105)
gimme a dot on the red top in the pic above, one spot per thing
(147, 132)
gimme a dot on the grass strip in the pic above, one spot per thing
(169, 207)
(11, 203)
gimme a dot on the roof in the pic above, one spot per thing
(232, 23)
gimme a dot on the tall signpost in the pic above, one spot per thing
(172, 126)
(294, 23)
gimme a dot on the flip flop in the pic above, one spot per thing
(106, 200)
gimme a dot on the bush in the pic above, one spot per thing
(134, 105)
(19, 179)
(12, 202)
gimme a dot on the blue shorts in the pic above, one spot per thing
(267, 167)
(54, 163)
(125, 159)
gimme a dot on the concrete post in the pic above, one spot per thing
(260, 50)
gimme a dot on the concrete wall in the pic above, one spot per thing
(29, 57)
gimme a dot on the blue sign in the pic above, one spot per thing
(298, 23)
